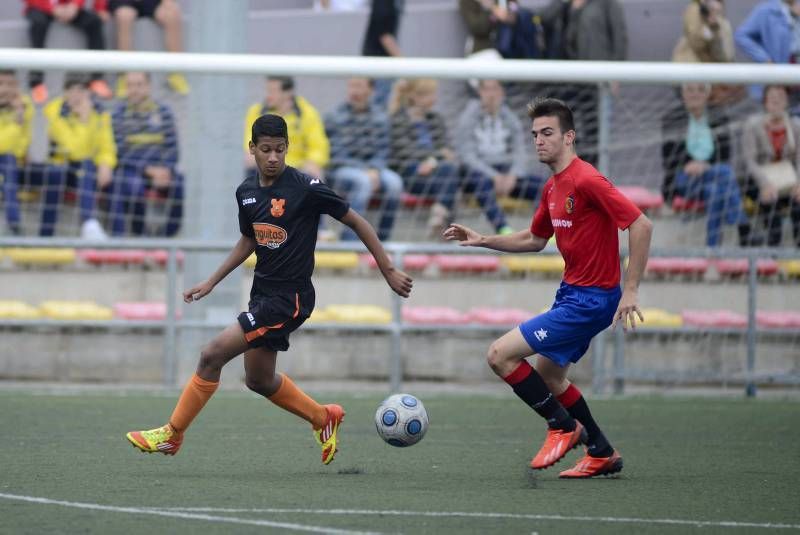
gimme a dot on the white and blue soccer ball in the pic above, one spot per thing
(401, 420)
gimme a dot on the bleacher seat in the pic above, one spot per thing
(319, 315)
(99, 257)
(369, 314)
(41, 256)
(411, 262)
(142, 310)
(498, 316)
(643, 198)
(545, 264)
(791, 268)
(341, 260)
(250, 261)
(658, 318)
(734, 267)
(682, 204)
(422, 315)
(677, 266)
(75, 310)
(713, 318)
(466, 263)
(781, 319)
(160, 256)
(18, 310)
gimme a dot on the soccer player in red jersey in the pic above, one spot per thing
(279, 211)
(584, 210)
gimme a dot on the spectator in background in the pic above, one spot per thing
(421, 151)
(359, 135)
(380, 40)
(82, 154)
(696, 159)
(309, 150)
(771, 34)
(708, 38)
(167, 14)
(40, 13)
(491, 145)
(771, 148)
(16, 117)
(147, 154)
(586, 30)
(339, 5)
(482, 17)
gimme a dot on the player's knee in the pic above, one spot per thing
(496, 359)
(211, 357)
(125, 15)
(259, 385)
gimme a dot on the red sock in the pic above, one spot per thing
(519, 374)
(569, 396)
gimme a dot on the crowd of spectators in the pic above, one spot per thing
(388, 138)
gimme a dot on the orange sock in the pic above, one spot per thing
(290, 398)
(194, 397)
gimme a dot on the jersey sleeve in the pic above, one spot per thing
(245, 225)
(325, 200)
(541, 225)
(609, 199)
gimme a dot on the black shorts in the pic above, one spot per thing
(272, 317)
(144, 8)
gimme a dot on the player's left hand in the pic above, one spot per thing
(627, 310)
(399, 281)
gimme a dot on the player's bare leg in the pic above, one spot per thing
(261, 378)
(168, 438)
(506, 357)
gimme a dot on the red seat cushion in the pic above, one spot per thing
(111, 256)
(672, 265)
(160, 257)
(713, 318)
(499, 316)
(739, 266)
(682, 204)
(411, 262)
(643, 198)
(778, 319)
(142, 311)
(467, 263)
(434, 315)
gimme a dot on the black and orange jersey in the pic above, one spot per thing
(283, 219)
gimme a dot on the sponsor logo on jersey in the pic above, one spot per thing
(270, 236)
(569, 204)
(249, 200)
(278, 207)
(562, 223)
(540, 334)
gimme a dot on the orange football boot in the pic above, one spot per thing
(557, 444)
(594, 466)
(327, 434)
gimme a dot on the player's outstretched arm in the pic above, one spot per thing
(518, 242)
(398, 281)
(243, 248)
(639, 234)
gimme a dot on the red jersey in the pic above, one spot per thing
(47, 5)
(585, 210)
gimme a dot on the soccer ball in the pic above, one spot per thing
(401, 420)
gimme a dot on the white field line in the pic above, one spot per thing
(179, 514)
(516, 516)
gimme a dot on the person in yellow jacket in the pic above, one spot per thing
(82, 154)
(309, 150)
(16, 117)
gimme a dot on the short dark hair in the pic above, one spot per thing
(287, 82)
(269, 125)
(552, 107)
(8, 72)
(72, 79)
(769, 87)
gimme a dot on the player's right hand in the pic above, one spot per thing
(197, 292)
(465, 235)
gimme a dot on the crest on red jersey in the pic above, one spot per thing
(569, 204)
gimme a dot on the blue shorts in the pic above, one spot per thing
(563, 333)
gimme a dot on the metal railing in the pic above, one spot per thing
(397, 327)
